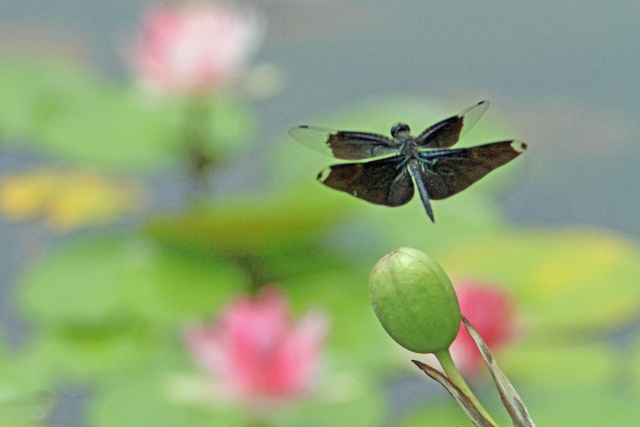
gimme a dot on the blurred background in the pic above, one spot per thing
(148, 185)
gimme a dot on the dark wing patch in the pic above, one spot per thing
(344, 145)
(449, 131)
(448, 172)
(383, 182)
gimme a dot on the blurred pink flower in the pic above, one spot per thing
(492, 312)
(256, 351)
(195, 48)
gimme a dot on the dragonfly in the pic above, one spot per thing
(389, 169)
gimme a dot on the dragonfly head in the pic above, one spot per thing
(400, 130)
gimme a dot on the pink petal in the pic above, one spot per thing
(195, 48)
(257, 350)
(492, 312)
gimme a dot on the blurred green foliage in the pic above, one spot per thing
(69, 112)
(569, 283)
(107, 309)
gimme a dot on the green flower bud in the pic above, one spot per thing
(415, 301)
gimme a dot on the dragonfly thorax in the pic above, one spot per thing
(400, 130)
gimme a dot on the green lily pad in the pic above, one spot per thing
(68, 112)
(117, 129)
(113, 279)
(24, 395)
(143, 400)
(74, 353)
(584, 407)
(585, 385)
(532, 363)
(565, 281)
(33, 90)
(257, 224)
(102, 304)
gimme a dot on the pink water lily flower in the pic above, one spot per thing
(256, 351)
(195, 48)
(492, 313)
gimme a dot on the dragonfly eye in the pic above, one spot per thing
(399, 129)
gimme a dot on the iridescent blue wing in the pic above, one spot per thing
(383, 181)
(345, 145)
(449, 131)
(447, 172)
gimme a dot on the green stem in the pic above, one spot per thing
(196, 133)
(444, 357)
(259, 274)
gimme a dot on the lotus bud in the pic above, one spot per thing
(415, 301)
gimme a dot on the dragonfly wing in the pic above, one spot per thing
(383, 182)
(448, 172)
(345, 145)
(449, 131)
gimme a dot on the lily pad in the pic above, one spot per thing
(256, 224)
(71, 113)
(143, 400)
(566, 281)
(113, 279)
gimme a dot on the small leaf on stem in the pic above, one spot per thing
(465, 402)
(510, 398)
